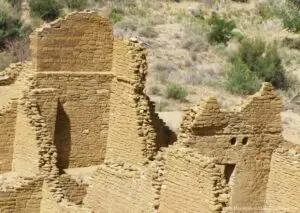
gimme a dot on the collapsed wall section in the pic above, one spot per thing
(283, 192)
(7, 134)
(135, 131)
(192, 183)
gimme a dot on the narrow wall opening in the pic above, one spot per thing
(62, 137)
(228, 173)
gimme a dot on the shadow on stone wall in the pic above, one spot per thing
(62, 137)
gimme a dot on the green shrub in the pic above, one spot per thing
(266, 9)
(256, 60)
(240, 80)
(116, 15)
(10, 24)
(48, 10)
(290, 16)
(221, 31)
(76, 4)
(148, 32)
(177, 92)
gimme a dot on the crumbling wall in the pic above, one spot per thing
(80, 42)
(192, 183)
(242, 138)
(132, 137)
(7, 134)
(23, 196)
(49, 204)
(75, 190)
(283, 193)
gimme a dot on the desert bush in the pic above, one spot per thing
(148, 32)
(76, 4)
(176, 91)
(291, 17)
(116, 15)
(221, 31)
(10, 24)
(240, 80)
(47, 10)
(266, 9)
(256, 60)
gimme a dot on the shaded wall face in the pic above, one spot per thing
(82, 116)
(7, 135)
(81, 42)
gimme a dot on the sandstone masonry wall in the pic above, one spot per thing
(132, 137)
(81, 127)
(192, 183)
(80, 42)
(243, 138)
(25, 157)
(7, 134)
(21, 197)
(283, 193)
(75, 191)
(119, 187)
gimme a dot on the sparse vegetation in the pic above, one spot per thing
(221, 31)
(176, 91)
(256, 60)
(47, 10)
(10, 23)
(148, 32)
(76, 4)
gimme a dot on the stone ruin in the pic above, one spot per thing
(78, 134)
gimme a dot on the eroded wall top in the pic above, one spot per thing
(83, 41)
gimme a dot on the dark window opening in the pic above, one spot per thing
(228, 171)
(62, 138)
(245, 141)
(233, 141)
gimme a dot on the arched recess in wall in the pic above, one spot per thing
(62, 137)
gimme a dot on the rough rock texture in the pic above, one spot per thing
(78, 134)
(283, 193)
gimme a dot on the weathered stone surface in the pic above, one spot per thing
(80, 135)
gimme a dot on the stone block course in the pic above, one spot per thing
(80, 102)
